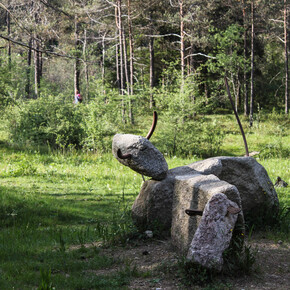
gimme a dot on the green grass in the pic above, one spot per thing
(51, 201)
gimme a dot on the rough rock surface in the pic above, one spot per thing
(214, 233)
(251, 179)
(193, 192)
(154, 202)
(144, 157)
(153, 205)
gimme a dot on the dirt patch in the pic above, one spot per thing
(157, 258)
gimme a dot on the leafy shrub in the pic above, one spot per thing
(196, 136)
(58, 123)
(100, 124)
(48, 120)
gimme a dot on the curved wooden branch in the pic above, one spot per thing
(125, 156)
(237, 117)
(151, 131)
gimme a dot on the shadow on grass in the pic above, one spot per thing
(20, 208)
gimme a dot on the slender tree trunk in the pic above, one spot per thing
(125, 61)
(36, 69)
(182, 49)
(86, 64)
(77, 56)
(119, 23)
(28, 70)
(131, 49)
(246, 97)
(119, 26)
(206, 93)
(237, 96)
(118, 68)
(37, 62)
(131, 67)
(103, 63)
(252, 63)
(286, 57)
(8, 22)
(151, 69)
(151, 76)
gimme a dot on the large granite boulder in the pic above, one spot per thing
(251, 179)
(140, 155)
(194, 192)
(257, 193)
(214, 233)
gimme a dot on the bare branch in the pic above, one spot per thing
(163, 35)
(56, 9)
(276, 20)
(199, 53)
(37, 50)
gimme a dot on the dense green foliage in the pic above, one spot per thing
(62, 194)
(215, 38)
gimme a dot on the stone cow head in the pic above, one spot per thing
(139, 153)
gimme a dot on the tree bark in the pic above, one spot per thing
(86, 65)
(246, 97)
(121, 55)
(77, 56)
(131, 49)
(8, 22)
(286, 57)
(36, 68)
(103, 63)
(28, 70)
(252, 63)
(118, 68)
(182, 49)
(131, 70)
(151, 69)
(125, 61)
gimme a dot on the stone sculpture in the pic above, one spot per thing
(198, 204)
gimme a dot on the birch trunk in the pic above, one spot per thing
(182, 50)
(131, 68)
(252, 63)
(246, 97)
(151, 69)
(86, 65)
(8, 22)
(77, 56)
(121, 55)
(286, 57)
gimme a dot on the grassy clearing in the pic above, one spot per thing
(51, 201)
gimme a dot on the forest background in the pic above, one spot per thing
(62, 191)
(130, 57)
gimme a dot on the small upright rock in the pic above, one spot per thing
(214, 232)
(140, 155)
